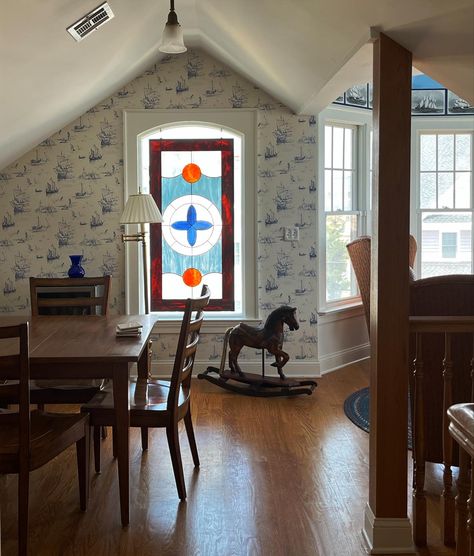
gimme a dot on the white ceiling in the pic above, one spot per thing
(303, 52)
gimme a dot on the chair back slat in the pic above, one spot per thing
(63, 296)
(17, 367)
(187, 346)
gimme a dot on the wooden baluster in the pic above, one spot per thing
(447, 497)
(463, 483)
(419, 499)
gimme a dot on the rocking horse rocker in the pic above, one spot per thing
(266, 337)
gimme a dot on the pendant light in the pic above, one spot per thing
(172, 38)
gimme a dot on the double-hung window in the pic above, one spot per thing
(345, 174)
(442, 168)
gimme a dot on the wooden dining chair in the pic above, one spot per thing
(160, 403)
(30, 439)
(63, 296)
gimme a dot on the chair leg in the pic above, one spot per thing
(144, 431)
(97, 449)
(191, 439)
(23, 495)
(83, 455)
(175, 452)
(104, 432)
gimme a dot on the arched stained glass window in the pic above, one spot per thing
(192, 181)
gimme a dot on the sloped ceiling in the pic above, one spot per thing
(303, 52)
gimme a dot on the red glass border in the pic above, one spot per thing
(226, 146)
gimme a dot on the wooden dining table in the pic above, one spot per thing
(87, 347)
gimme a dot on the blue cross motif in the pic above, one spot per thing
(191, 225)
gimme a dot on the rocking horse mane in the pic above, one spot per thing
(277, 315)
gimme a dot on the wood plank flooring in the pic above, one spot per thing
(278, 477)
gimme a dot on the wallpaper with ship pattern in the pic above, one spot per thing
(65, 197)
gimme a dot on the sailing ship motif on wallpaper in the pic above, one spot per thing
(9, 287)
(125, 92)
(193, 67)
(52, 255)
(283, 198)
(213, 91)
(21, 268)
(51, 187)
(270, 151)
(312, 252)
(8, 221)
(282, 132)
(20, 202)
(109, 264)
(63, 168)
(307, 139)
(283, 265)
(150, 99)
(107, 134)
(83, 193)
(108, 201)
(96, 221)
(238, 97)
(79, 127)
(312, 186)
(39, 226)
(270, 218)
(64, 234)
(271, 284)
(47, 143)
(38, 160)
(181, 86)
(95, 154)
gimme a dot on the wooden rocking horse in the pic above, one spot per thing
(268, 336)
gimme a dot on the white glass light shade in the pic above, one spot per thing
(172, 39)
(140, 209)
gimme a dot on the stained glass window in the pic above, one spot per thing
(192, 182)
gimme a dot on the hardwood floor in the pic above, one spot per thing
(278, 477)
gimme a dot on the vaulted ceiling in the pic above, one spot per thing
(303, 52)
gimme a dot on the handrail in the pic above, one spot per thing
(439, 324)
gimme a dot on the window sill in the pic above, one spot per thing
(209, 326)
(340, 312)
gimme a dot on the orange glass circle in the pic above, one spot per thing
(191, 173)
(192, 277)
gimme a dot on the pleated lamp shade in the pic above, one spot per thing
(140, 209)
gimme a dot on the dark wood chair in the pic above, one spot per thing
(60, 296)
(160, 403)
(30, 439)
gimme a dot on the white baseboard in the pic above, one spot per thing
(338, 359)
(306, 369)
(387, 535)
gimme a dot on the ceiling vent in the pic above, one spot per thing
(91, 21)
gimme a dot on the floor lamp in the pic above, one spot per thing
(141, 209)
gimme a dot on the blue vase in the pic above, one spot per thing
(76, 270)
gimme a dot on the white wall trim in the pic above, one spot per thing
(387, 535)
(304, 369)
(343, 357)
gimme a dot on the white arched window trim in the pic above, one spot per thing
(138, 123)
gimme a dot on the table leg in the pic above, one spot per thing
(122, 416)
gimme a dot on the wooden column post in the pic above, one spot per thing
(387, 527)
